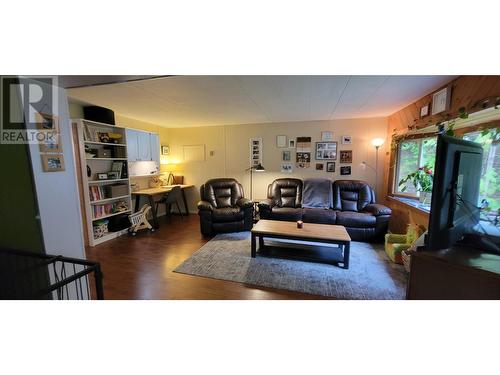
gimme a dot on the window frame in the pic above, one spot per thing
(395, 185)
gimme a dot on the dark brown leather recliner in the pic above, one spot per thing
(223, 207)
(356, 209)
(284, 200)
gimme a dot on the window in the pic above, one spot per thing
(490, 173)
(413, 154)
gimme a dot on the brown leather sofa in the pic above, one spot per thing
(223, 207)
(354, 207)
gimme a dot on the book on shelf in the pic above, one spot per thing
(101, 210)
(96, 193)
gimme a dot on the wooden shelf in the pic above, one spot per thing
(109, 236)
(100, 124)
(108, 181)
(109, 199)
(104, 144)
(110, 215)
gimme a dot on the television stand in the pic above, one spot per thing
(460, 272)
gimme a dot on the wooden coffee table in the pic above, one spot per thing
(321, 233)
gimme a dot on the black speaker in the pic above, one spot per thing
(99, 114)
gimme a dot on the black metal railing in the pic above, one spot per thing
(30, 275)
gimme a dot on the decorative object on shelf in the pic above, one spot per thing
(104, 152)
(300, 224)
(100, 228)
(376, 142)
(90, 152)
(103, 137)
(346, 140)
(281, 141)
(291, 142)
(89, 171)
(330, 166)
(113, 175)
(326, 136)
(441, 100)
(87, 135)
(286, 168)
(424, 111)
(326, 150)
(257, 168)
(102, 176)
(345, 170)
(115, 137)
(165, 150)
(422, 179)
(99, 114)
(286, 156)
(345, 156)
(255, 152)
(320, 166)
(53, 162)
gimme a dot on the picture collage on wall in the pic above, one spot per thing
(326, 150)
(51, 151)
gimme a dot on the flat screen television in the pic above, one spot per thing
(455, 193)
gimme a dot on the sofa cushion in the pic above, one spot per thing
(226, 214)
(318, 215)
(356, 219)
(286, 213)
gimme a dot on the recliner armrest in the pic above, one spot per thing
(266, 204)
(377, 209)
(205, 206)
(244, 203)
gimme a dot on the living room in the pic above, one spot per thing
(358, 193)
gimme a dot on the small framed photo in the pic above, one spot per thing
(330, 166)
(346, 170)
(286, 168)
(102, 176)
(320, 166)
(424, 111)
(326, 150)
(53, 162)
(346, 156)
(113, 175)
(326, 136)
(51, 144)
(441, 100)
(286, 155)
(281, 141)
(165, 150)
(291, 143)
(346, 140)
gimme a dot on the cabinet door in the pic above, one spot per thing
(155, 148)
(144, 146)
(132, 145)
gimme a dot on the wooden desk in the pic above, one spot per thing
(150, 194)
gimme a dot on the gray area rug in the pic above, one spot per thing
(371, 275)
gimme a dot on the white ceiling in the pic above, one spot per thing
(184, 101)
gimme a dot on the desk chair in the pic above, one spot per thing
(172, 197)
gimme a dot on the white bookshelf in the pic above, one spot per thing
(87, 136)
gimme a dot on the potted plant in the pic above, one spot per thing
(422, 179)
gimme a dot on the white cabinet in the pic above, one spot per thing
(143, 146)
(154, 141)
(132, 145)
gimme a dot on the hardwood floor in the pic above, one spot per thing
(141, 267)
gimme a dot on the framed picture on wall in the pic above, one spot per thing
(326, 136)
(255, 151)
(346, 140)
(326, 150)
(345, 156)
(53, 162)
(165, 150)
(441, 100)
(281, 141)
(320, 166)
(286, 168)
(286, 156)
(346, 170)
(330, 166)
(291, 142)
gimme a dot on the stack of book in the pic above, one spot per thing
(96, 193)
(101, 210)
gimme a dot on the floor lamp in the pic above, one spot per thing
(377, 142)
(256, 168)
